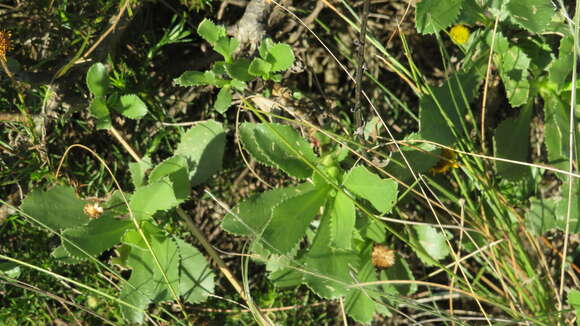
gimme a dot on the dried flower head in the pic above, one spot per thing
(93, 210)
(5, 45)
(382, 257)
(459, 34)
(448, 161)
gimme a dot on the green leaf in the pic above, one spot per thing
(147, 283)
(203, 147)
(176, 168)
(154, 197)
(556, 134)
(513, 64)
(561, 68)
(512, 141)
(542, 215)
(226, 47)
(562, 209)
(533, 15)
(432, 242)
(375, 230)
(574, 301)
(210, 31)
(443, 113)
(196, 279)
(100, 111)
(94, 238)
(138, 169)
(342, 220)
(223, 100)
(359, 303)
(267, 142)
(61, 255)
(10, 269)
(260, 68)
(381, 193)
(239, 70)
(280, 56)
(196, 78)
(291, 218)
(251, 216)
(329, 269)
(433, 16)
(98, 79)
(58, 208)
(264, 48)
(132, 106)
(422, 156)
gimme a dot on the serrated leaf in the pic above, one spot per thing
(132, 106)
(100, 111)
(433, 16)
(432, 242)
(154, 197)
(94, 238)
(196, 78)
(58, 208)
(223, 100)
(226, 46)
(342, 220)
(267, 142)
(513, 66)
(280, 56)
(260, 68)
(443, 113)
(239, 70)
(533, 15)
(98, 79)
(329, 269)
(196, 279)
(250, 217)
(210, 31)
(511, 141)
(203, 146)
(290, 220)
(381, 193)
(574, 301)
(359, 303)
(138, 169)
(147, 283)
(176, 169)
(375, 230)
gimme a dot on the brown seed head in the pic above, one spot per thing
(5, 45)
(383, 257)
(93, 210)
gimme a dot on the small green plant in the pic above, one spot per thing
(336, 249)
(105, 98)
(164, 267)
(233, 74)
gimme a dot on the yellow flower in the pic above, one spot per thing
(448, 161)
(5, 45)
(459, 34)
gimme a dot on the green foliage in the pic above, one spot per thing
(550, 213)
(433, 243)
(163, 266)
(511, 141)
(277, 220)
(129, 105)
(57, 208)
(432, 16)
(533, 15)
(231, 74)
